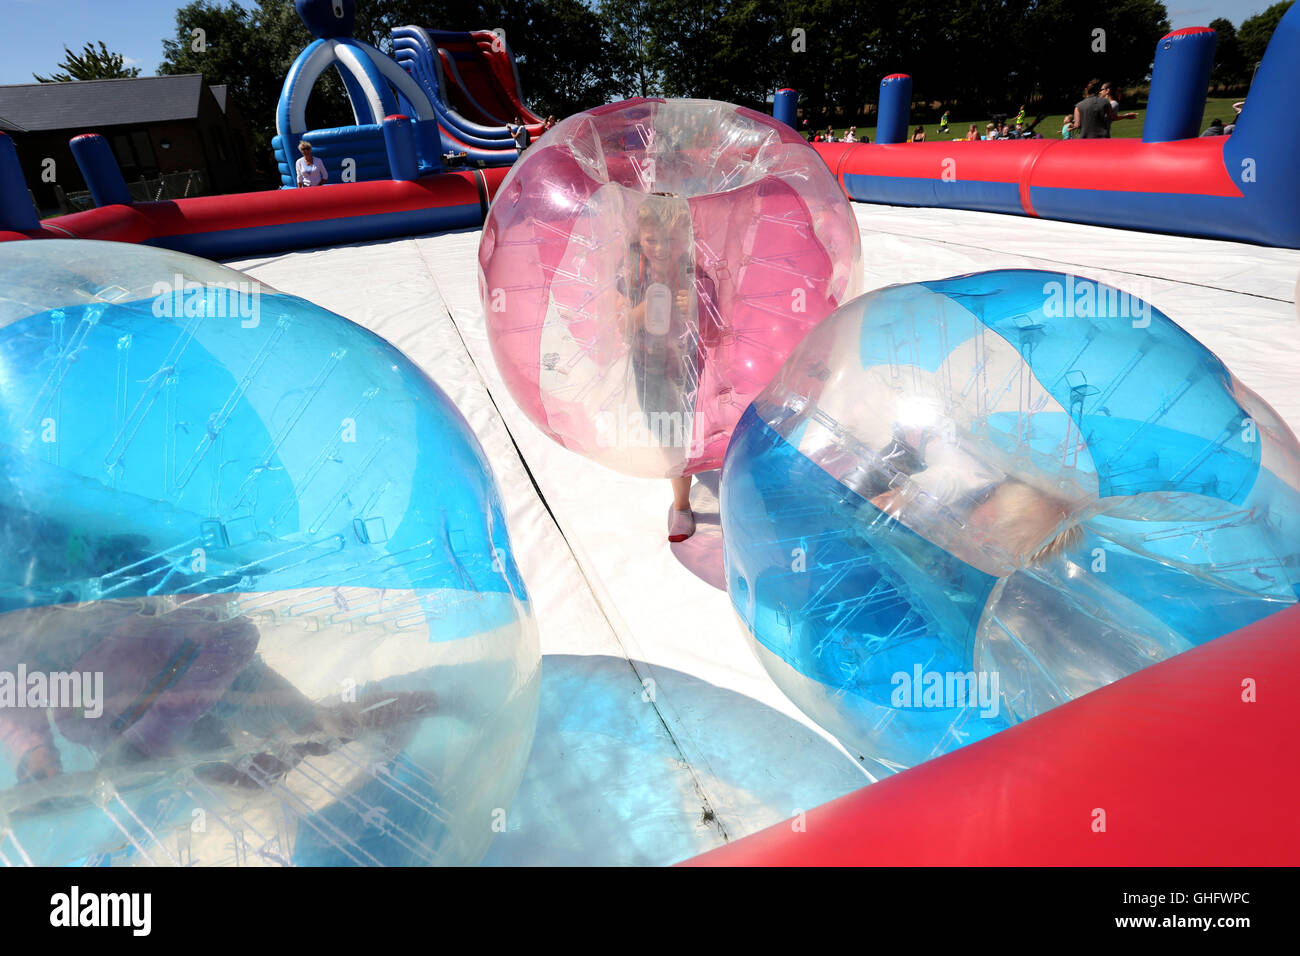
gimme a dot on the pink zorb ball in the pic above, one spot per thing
(647, 266)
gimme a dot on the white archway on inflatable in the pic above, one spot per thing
(366, 66)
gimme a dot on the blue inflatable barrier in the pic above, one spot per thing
(99, 169)
(894, 109)
(17, 211)
(1179, 79)
(786, 107)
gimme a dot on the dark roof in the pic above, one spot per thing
(219, 91)
(78, 104)
(10, 127)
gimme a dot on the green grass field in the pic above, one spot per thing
(1050, 128)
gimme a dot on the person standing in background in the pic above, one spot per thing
(1093, 114)
(309, 171)
(519, 133)
(1109, 92)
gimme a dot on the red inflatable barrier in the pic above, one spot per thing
(1191, 762)
(1238, 187)
(221, 226)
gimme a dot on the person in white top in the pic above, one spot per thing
(519, 133)
(309, 171)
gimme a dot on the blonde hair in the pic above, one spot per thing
(663, 213)
(1021, 515)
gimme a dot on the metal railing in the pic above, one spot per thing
(191, 182)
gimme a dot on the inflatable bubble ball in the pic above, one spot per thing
(647, 266)
(961, 503)
(257, 599)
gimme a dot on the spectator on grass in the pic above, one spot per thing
(918, 135)
(972, 134)
(1232, 127)
(1215, 128)
(852, 135)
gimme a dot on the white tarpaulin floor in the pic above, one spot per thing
(660, 736)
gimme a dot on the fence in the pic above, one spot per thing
(192, 182)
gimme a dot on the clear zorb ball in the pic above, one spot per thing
(257, 599)
(646, 267)
(963, 502)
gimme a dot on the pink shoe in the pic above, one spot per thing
(681, 525)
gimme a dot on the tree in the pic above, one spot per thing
(91, 64)
(825, 51)
(629, 41)
(1229, 65)
(1256, 32)
(726, 51)
(1108, 40)
(564, 63)
(250, 50)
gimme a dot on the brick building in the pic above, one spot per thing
(157, 125)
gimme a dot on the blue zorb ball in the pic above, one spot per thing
(257, 599)
(963, 502)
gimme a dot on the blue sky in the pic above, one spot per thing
(37, 30)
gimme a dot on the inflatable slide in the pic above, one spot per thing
(471, 80)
